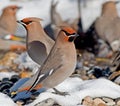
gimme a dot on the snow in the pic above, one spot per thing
(6, 74)
(79, 89)
(6, 101)
(76, 88)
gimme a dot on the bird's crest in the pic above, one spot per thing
(71, 33)
(68, 30)
(12, 7)
(31, 19)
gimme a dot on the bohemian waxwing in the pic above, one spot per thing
(8, 27)
(56, 19)
(8, 19)
(59, 64)
(108, 25)
(39, 43)
(86, 40)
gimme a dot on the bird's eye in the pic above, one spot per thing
(68, 34)
(27, 22)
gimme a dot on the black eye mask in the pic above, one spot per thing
(68, 34)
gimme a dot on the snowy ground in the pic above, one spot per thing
(77, 88)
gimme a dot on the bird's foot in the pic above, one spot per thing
(60, 93)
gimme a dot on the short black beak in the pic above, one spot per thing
(73, 37)
(20, 21)
(19, 7)
(116, 2)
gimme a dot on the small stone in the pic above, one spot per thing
(91, 76)
(8, 58)
(86, 63)
(87, 56)
(110, 103)
(107, 99)
(5, 79)
(25, 74)
(118, 103)
(114, 75)
(101, 104)
(98, 101)
(81, 72)
(84, 77)
(19, 103)
(88, 101)
(75, 75)
(14, 78)
(117, 80)
(4, 86)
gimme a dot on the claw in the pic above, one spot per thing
(60, 93)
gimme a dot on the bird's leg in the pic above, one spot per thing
(59, 92)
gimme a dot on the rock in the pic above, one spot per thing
(107, 99)
(114, 75)
(4, 86)
(98, 101)
(118, 103)
(80, 71)
(8, 58)
(19, 103)
(47, 102)
(88, 101)
(88, 56)
(84, 77)
(100, 72)
(117, 80)
(104, 50)
(110, 103)
(14, 78)
(25, 74)
(101, 104)
(91, 76)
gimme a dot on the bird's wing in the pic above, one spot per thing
(37, 51)
(3, 31)
(53, 61)
(51, 65)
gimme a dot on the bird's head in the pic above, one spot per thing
(70, 34)
(109, 7)
(29, 20)
(26, 22)
(12, 9)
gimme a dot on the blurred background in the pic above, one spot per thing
(68, 9)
